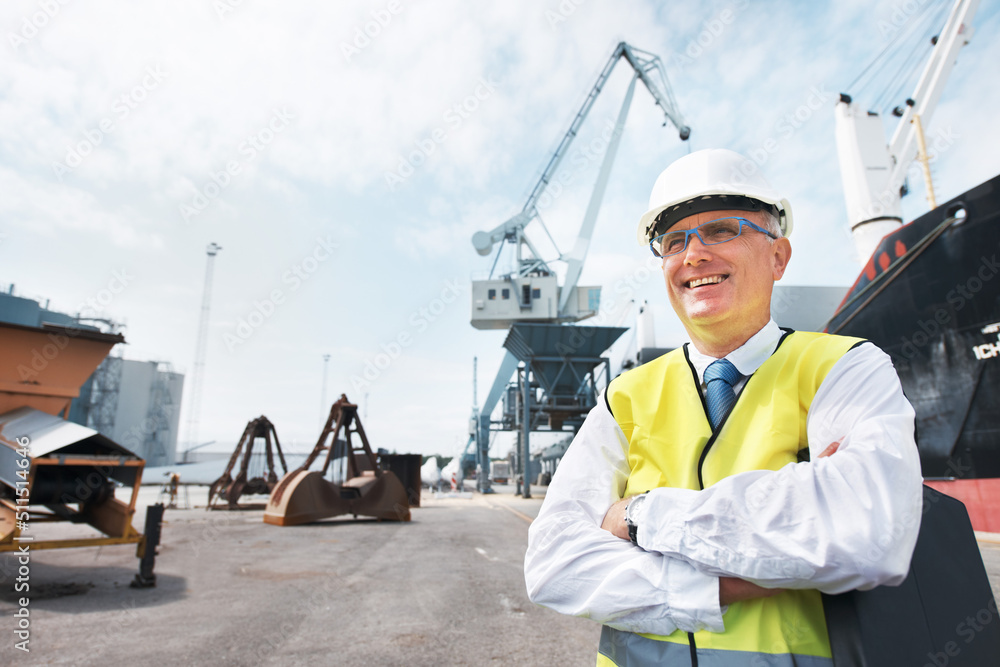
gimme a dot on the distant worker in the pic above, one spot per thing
(715, 492)
(170, 489)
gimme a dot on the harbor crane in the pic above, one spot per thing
(873, 172)
(531, 292)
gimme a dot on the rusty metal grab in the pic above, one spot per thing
(228, 488)
(303, 496)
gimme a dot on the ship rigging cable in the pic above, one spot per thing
(873, 81)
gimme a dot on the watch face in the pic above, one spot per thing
(630, 510)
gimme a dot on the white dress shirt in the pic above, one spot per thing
(836, 523)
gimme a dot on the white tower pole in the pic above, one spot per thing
(194, 404)
(324, 409)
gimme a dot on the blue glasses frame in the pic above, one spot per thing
(694, 231)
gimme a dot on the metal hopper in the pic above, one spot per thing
(52, 469)
(359, 488)
(563, 360)
(44, 367)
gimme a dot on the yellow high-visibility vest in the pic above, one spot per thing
(663, 415)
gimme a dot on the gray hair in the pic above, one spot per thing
(768, 219)
(772, 225)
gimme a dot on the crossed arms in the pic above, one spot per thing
(840, 522)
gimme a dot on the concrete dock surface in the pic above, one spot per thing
(444, 589)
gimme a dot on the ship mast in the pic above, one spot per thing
(874, 172)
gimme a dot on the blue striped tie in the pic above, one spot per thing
(720, 376)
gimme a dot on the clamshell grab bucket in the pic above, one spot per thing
(362, 488)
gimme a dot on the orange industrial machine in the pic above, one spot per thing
(52, 469)
(359, 487)
(252, 477)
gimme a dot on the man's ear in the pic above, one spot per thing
(781, 253)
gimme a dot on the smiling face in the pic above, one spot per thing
(722, 293)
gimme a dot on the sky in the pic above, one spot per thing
(343, 154)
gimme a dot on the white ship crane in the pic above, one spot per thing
(531, 292)
(874, 172)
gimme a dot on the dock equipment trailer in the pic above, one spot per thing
(53, 470)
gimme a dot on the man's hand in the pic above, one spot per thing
(614, 520)
(830, 450)
(736, 590)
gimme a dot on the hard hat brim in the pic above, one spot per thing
(648, 219)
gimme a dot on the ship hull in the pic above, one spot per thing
(930, 297)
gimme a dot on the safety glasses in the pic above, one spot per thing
(712, 232)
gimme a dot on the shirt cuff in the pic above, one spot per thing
(661, 526)
(694, 597)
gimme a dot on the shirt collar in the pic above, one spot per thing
(747, 358)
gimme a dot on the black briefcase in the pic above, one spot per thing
(942, 615)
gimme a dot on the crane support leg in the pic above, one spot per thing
(507, 368)
(526, 433)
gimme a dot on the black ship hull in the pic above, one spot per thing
(930, 297)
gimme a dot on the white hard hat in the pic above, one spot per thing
(712, 179)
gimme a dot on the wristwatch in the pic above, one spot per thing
(631, 517)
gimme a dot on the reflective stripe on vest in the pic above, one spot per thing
(662, 414)
(625, 649)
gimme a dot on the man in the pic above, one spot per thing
(703, 507)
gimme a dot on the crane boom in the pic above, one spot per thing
(559, 304)
(641, 65)
(576, 256)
